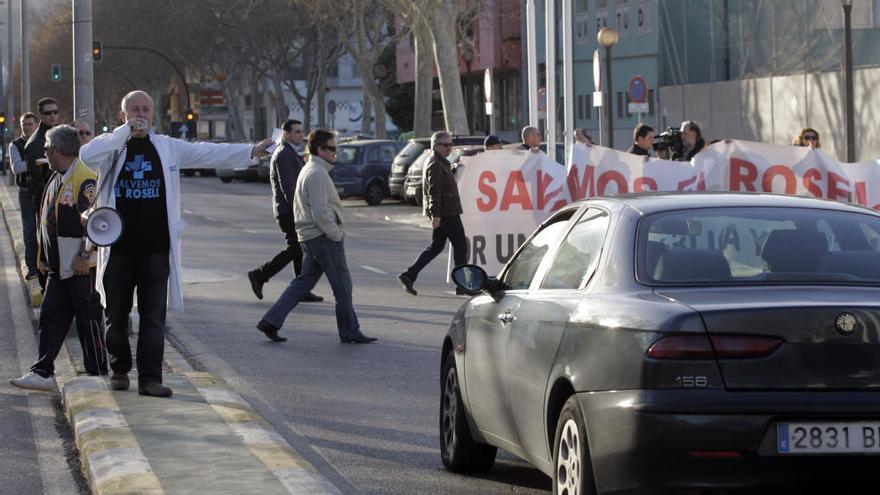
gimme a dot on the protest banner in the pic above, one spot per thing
(506, 194)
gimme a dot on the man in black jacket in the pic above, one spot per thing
(692, 139)
(38, 172)
(27, 198)
(283, 172)
(443, 205)
(643, 140)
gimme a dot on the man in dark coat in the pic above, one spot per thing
(643, 140)
(283, 171)
(443, 205)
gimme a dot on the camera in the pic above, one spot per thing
(668, 144)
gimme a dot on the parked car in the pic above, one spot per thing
(258, 169)
(362, 169)
(412, 151)
(672, 342)
(415, 176)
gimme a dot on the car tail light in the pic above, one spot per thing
(682, 347)
(715, 346)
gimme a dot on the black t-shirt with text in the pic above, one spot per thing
(140, 200)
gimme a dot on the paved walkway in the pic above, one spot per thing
(204, 439)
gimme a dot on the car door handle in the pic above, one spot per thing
(505, 317)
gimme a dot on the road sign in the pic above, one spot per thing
(638, 108)
(597, 71)
(637, 90)
(331, 107)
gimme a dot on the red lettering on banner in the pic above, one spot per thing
(586, 187)
(515, 192)
(699, 179)
(779, 170)
(809, 180)
(861, 194)
(544, 197)
(742, 173)
(643, 184)
(835, 192)
(609, 176)
(491, 197)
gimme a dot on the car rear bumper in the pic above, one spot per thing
(348, 188)
(396, 185)
(691, 439)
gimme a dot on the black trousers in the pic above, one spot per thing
(293, 252)
(450, 228)
(148, 273)
(64, 300)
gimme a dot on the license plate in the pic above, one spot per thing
(410, 191)
(828, 438)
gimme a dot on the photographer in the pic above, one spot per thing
(692, 139)
(643, 140)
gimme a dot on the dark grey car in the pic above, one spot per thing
(661, 342)
(362, 169)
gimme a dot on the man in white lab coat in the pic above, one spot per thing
(142, 174)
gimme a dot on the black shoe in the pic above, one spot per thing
(309, 297)
(270, 331)
(407, 282)
(119, 382)
(256, 283)
(154, 389)
(357, 339)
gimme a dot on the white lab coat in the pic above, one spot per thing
(174, 154)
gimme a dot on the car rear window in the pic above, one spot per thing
(759, 245)
(348, 154)
(412, 148)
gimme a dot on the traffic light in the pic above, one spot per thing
(56, 72)
(97, 51)
(105, 127)
(2, 118)
(190, 115)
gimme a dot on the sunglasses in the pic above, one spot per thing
(85, 133)
(50, 112)
(810, 137)
(330, 148)
(446, 145)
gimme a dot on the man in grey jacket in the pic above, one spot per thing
(317, 213)
(283, 172)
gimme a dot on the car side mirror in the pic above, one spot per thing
(470, 278)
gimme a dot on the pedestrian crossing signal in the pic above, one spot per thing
(56, 72)
(97, 51)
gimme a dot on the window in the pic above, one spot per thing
(759, 245)
(373, 154)
(522, 268)
(650, 102)
(620, 103)
(388, 152)
(578, 255)
(346, 155)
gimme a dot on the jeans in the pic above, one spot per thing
(322, 256)
(292, 253)
(29, 228)
(74, 296)
(450, 228)
(148, 272)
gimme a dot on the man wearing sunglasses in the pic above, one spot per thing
(37, 166)
(443, 205)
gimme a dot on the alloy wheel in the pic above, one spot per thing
(568, 462)
(450, 409)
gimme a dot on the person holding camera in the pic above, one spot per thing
(67, 262)
(643, 140)
(691, 139)
(144, 173)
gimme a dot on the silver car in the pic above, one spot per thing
(647, 343)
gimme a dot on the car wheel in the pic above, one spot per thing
(573, 471)
(375, 193)
(458, 449)
(226, 180)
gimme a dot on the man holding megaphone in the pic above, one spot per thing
(66, 259)
(142, 170)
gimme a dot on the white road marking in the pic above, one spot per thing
(374, 270)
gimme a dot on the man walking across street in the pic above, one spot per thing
(443, 205)
(317, 214)
(143, 172)
(284, 170)
(28, 198)
(66, 259)
(643, 140)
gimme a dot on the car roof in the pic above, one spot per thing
(368, 142)
(654, 202)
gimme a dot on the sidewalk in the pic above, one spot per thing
(204, 439)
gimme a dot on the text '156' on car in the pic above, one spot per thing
(675, 342)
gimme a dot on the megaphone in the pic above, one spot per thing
(103, 226)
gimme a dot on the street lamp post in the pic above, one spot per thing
(848, 75)
(467, 55)
(608, 38)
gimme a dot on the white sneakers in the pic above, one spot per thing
(33, 381)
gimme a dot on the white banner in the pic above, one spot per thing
(506, 194)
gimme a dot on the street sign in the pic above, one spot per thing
(638, 108)
(637, 90)
(597, 71)
(331, 107)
